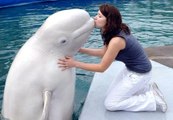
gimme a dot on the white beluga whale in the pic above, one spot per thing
(36, 88)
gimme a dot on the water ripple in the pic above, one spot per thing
(150, 21)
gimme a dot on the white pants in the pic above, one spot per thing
(130, 91)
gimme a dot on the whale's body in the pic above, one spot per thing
(36, 88)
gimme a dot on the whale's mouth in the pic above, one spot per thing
(80, 36)
(86, 28)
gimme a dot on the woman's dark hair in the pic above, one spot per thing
(113, 23)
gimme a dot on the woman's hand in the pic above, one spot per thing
(80, 50)
(66, 63)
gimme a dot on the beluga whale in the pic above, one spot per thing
(36, 88)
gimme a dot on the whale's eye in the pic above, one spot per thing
(63, 41)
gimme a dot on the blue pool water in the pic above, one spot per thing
(150, 21)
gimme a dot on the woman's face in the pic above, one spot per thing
(100, 20)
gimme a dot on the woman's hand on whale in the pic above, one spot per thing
(66, 63)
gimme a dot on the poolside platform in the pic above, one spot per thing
(94, 109)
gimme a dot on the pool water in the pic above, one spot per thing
(150, 21)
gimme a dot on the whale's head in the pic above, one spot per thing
(65, 31)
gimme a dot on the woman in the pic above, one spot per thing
(132, 92)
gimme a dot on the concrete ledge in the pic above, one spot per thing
(94, 105)
(162, 54)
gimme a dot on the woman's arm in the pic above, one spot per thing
(115, 45)
(94, 52)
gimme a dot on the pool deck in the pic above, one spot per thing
(162, 74)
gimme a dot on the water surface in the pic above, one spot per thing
(150, 21)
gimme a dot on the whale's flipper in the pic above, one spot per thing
(47, 97)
